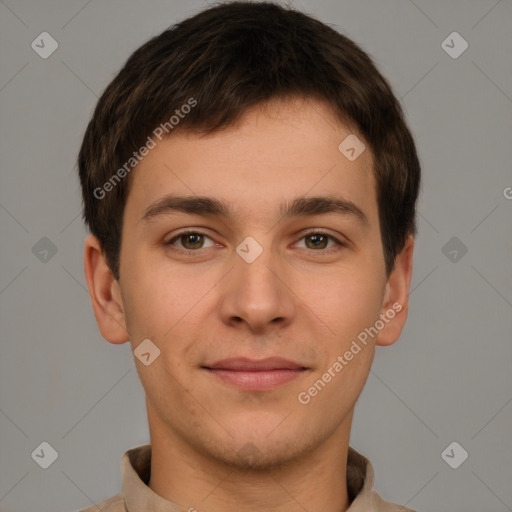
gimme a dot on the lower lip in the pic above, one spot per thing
(256, 381)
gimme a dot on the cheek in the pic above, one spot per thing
(157, 298)
(168, 307)
(346, 302)
(348, 309)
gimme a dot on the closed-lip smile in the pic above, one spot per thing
(256, 374)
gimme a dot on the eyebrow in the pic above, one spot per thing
(209, 206)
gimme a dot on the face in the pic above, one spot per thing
(256, 306)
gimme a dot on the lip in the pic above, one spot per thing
(256, 374)
(255, 365)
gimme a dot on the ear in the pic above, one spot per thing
(105, 293)
(396, 297)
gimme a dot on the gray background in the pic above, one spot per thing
(449, 377)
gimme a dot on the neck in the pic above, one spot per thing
(187, 477)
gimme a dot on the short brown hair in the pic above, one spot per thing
(229, 58)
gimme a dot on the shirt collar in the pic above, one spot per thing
(136, 469)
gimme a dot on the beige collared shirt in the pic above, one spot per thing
(138, 497)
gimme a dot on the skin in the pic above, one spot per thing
(296, 300)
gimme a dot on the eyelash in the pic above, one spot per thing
(169, 243)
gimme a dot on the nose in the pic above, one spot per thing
(257, 294)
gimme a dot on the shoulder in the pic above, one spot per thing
(360, 481)
(386, 506)
(113, 504)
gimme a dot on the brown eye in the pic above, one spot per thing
(318, 241)
(189, 241)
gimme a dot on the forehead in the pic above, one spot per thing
(273, 154)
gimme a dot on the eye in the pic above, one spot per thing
(193, 240)
(190, 240)
(318, 240)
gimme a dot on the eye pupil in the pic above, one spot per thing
(191, 236)
(317, 240)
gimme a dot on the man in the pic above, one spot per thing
(250, 187)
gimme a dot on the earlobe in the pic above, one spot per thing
(396, 298)
(105, 293)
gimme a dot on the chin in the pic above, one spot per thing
(262, 445)
(262, 455)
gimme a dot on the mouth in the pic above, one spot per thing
(256, 375)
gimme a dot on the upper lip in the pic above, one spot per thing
(255, 365)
